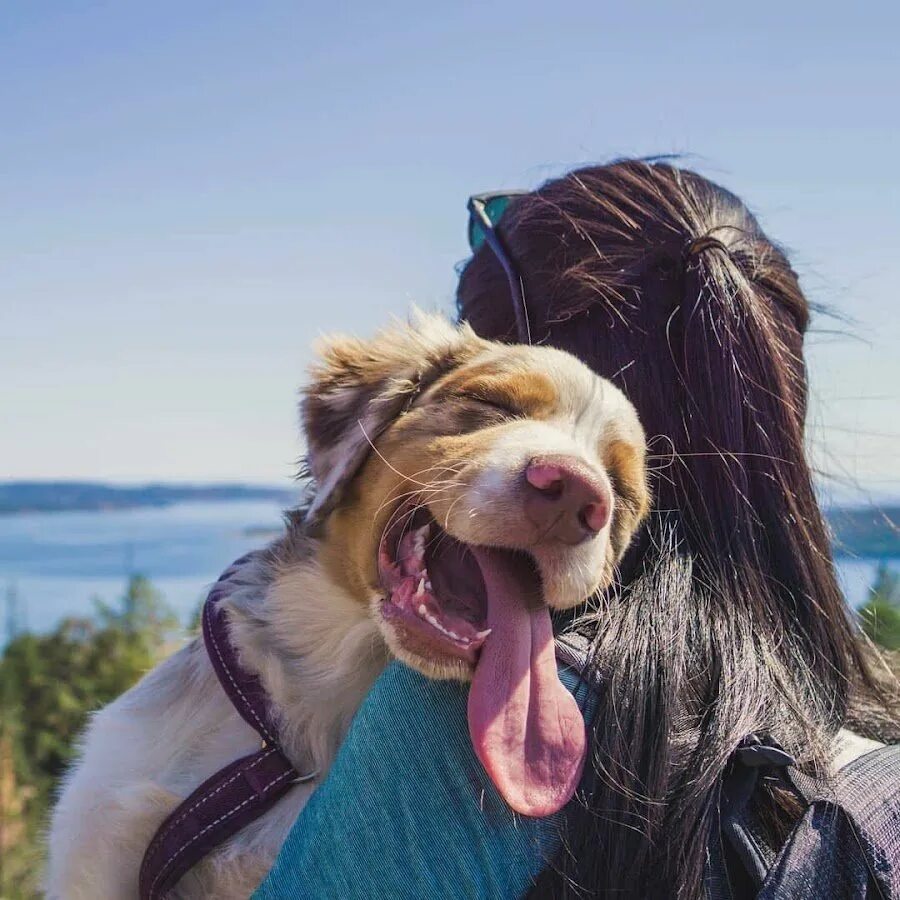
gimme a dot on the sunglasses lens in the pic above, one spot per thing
(493, 208)
(476, 233)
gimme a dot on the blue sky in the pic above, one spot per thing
(193, 191)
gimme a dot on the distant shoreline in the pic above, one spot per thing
(22, 497)
(859, 532)
(865, 533)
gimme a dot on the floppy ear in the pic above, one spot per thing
(359, 387)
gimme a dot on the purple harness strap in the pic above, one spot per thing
(234, 796)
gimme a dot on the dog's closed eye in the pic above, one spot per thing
(497, 403)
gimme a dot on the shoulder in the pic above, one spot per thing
(849, 746)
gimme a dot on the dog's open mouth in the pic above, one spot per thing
(450, 602)
(436, 597)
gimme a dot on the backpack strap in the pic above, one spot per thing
(738, 839)
(847, 845)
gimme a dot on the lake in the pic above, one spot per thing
(54, 565)
(57, 564)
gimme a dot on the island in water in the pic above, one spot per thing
(70, 496)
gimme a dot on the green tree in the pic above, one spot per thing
(50, 683)
(141, 613)
(881, 613)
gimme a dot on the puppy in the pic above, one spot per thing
(461, 489)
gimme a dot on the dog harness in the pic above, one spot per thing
(242, 791)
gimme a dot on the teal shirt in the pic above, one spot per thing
(407, 812)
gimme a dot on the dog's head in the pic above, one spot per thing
(428, 444)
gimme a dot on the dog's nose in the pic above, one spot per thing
(565, 498)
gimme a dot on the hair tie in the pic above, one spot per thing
(696, 246)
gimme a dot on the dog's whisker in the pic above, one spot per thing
(408, 511)
(383, 458)
(397, 498)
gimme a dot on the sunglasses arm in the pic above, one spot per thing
(516, 286)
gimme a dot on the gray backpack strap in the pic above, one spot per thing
(573, 649)
(847, 845)
(739, 855)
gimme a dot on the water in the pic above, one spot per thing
(56, 564)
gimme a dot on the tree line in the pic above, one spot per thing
(49, 685)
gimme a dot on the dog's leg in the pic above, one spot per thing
(120, 791)
(97, 842)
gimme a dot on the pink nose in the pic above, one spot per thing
(566, 498)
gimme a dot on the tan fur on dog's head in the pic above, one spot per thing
(431, 417)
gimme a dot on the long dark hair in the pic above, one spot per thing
(727, 618)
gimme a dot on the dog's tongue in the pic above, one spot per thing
(526, 728)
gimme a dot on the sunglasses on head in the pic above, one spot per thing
(485, 212)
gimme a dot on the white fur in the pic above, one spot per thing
(317, 651)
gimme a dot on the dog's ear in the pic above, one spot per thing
(359, 387)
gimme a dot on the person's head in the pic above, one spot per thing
(728, 619)
(664, 282)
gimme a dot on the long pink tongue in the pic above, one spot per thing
(526, 728)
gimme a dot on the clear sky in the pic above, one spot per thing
(191, 192)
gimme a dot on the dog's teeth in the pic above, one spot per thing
(438, 625)
(483, 634)
(423, 612)
(420, 590)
